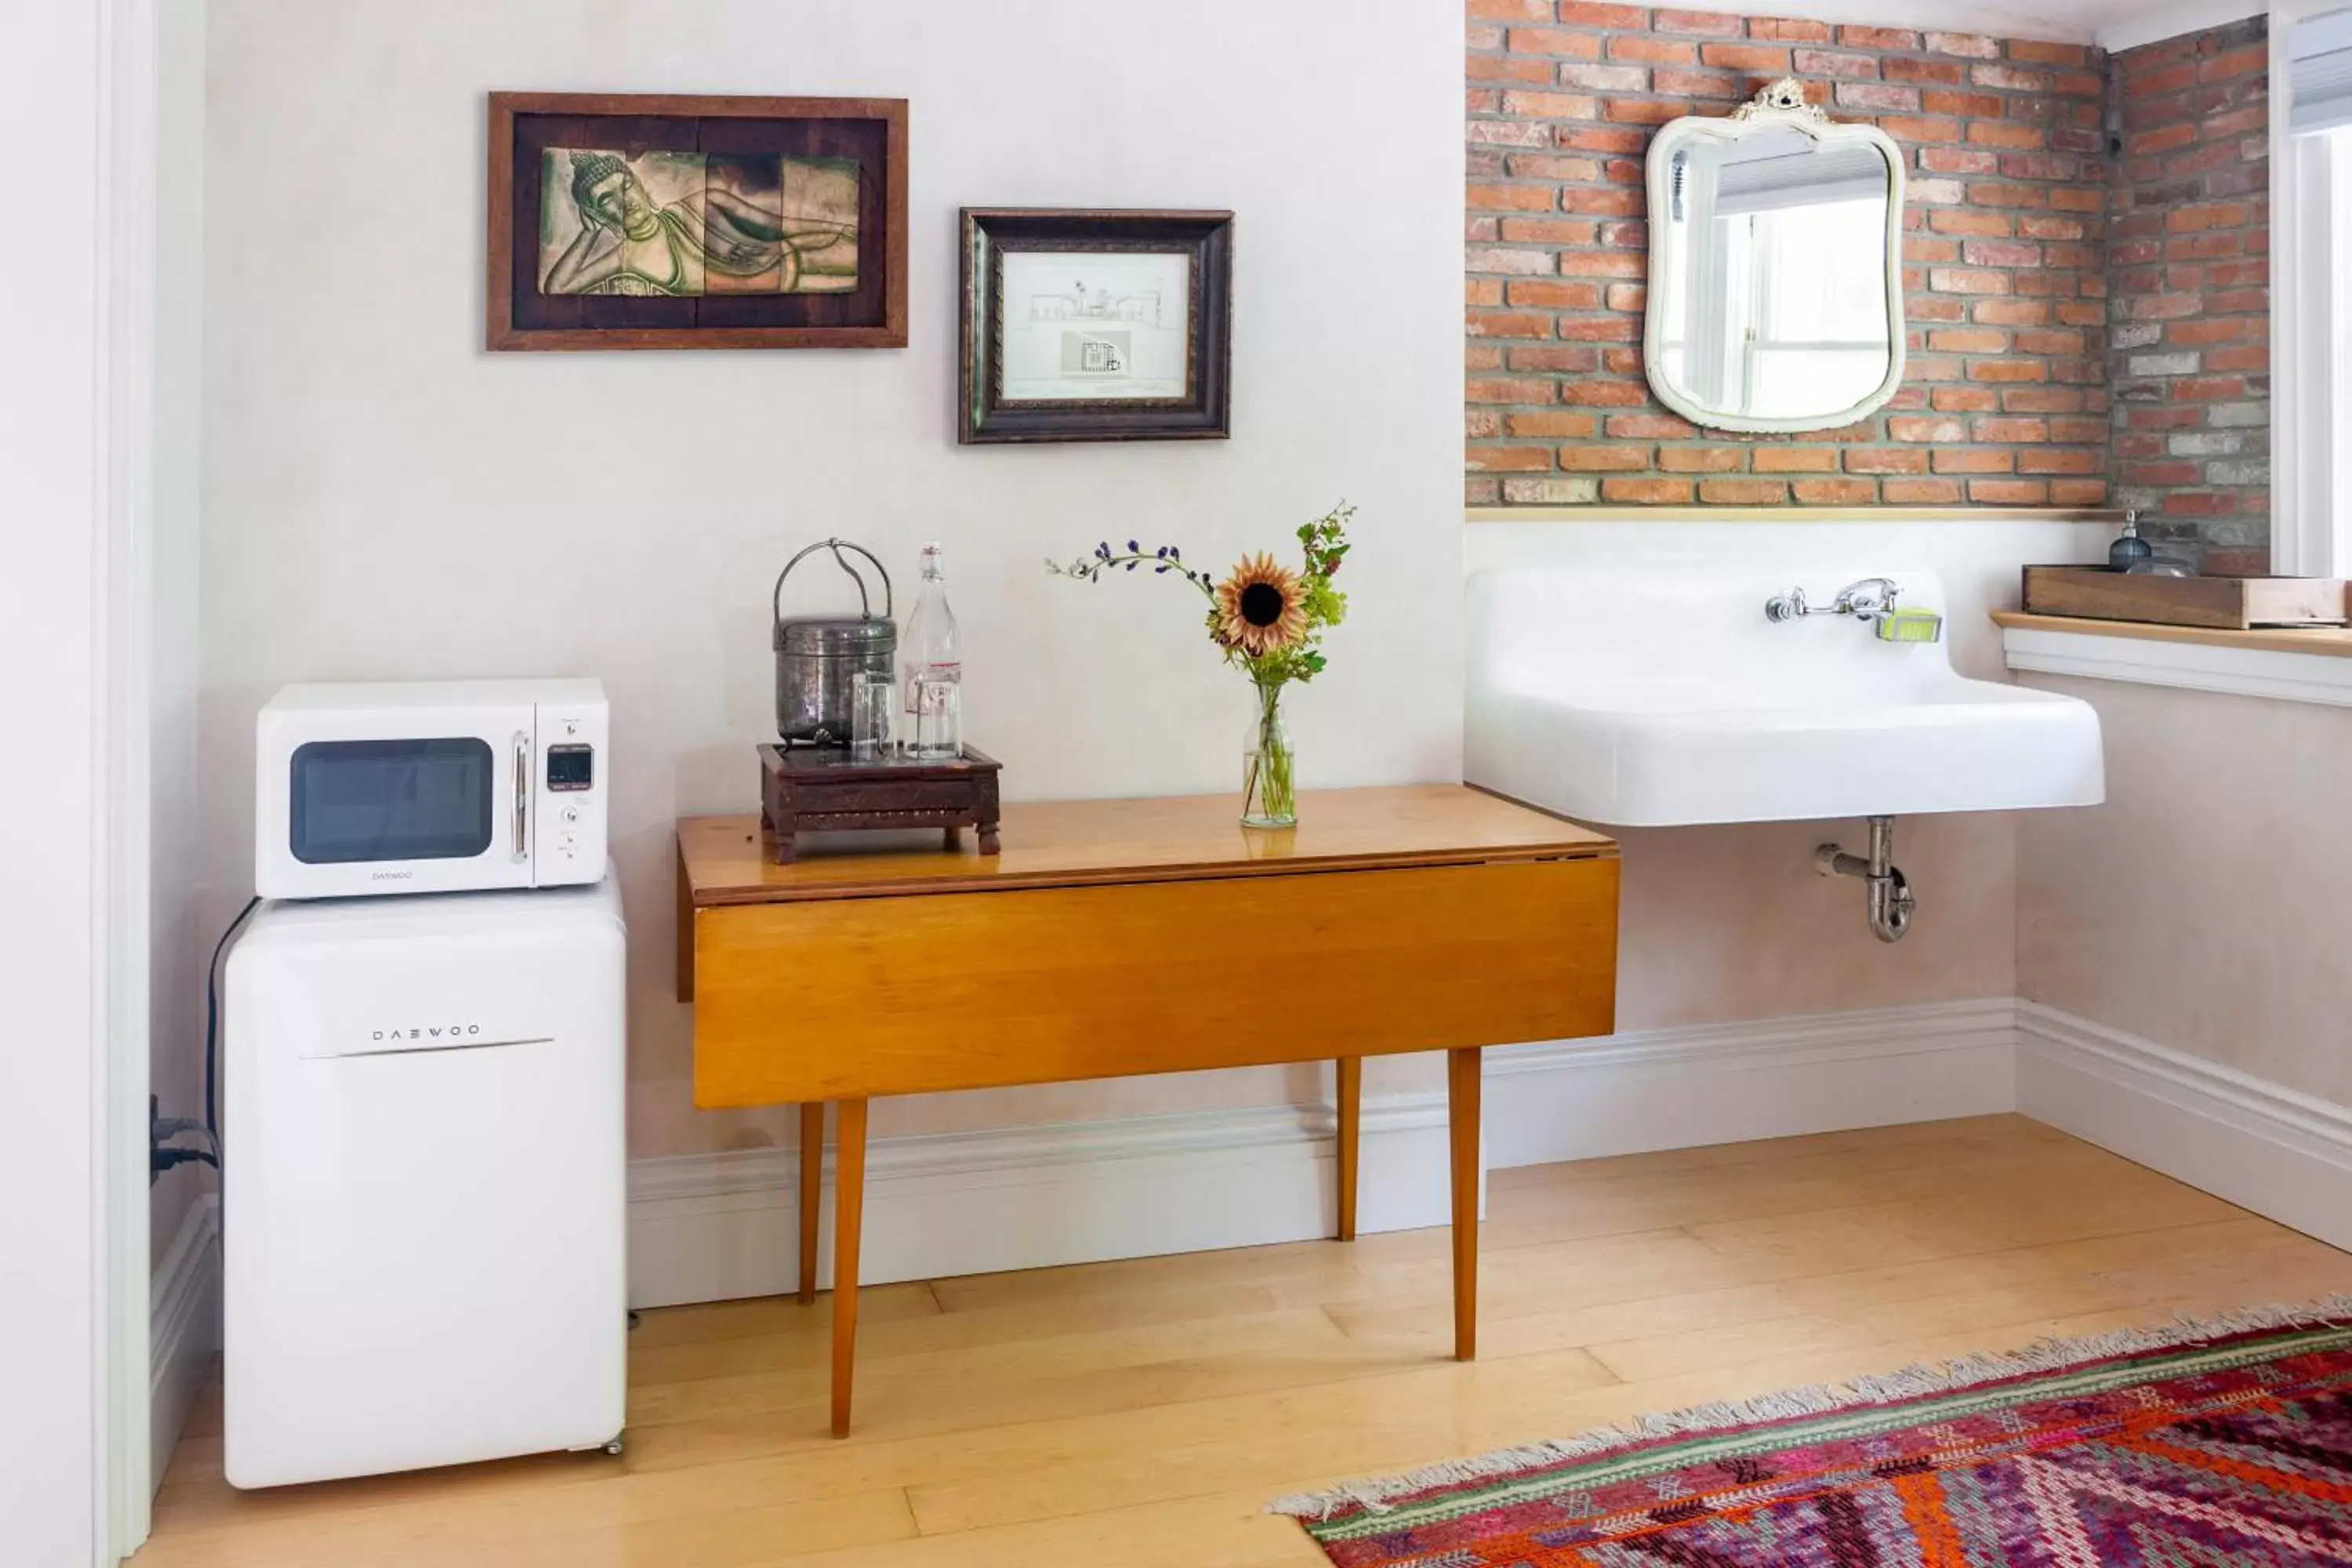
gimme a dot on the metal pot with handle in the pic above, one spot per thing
(820, 658)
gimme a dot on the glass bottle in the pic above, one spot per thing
(930, 668)
(2129, 549)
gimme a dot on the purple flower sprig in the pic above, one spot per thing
(1162, 560)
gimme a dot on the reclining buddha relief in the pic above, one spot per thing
(666, 224)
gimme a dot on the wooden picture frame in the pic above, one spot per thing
(800, 242)
(1127, 332)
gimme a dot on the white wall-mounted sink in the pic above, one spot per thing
(1658, 695)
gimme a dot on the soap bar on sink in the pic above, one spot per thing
(1911, 626)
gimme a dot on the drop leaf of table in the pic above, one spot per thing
(1114, 937)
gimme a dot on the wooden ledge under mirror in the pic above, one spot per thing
(1775, 268)
(2108, 518)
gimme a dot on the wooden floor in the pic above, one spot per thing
(1142, 1413)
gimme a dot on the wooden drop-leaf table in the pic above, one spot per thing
(1116, 936)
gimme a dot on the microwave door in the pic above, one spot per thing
(441, 806)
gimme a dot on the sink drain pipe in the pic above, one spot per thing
(1891, 899)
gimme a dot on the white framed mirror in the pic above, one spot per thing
(1775, 268)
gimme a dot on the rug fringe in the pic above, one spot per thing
(2044, 1355)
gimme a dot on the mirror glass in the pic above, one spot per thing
(1773, 295)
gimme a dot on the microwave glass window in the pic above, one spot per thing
(391, 800)
(571, 767)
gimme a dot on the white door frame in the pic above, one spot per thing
(76, 82)
(129, 261)
(55, 1261)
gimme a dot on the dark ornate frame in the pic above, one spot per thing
(1204, 413)
(871, 129)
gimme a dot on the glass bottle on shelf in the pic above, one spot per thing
(930, 668)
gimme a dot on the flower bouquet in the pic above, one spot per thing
(1269, 622)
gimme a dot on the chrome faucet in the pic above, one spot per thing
(1867, 600)
(1870, 601)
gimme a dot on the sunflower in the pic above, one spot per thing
(1260, 610)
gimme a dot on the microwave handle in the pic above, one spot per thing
(521, 797)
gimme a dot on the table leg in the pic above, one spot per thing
(848, 1213)
(1351, 1117)
(1462, 1124)
(812, 1190)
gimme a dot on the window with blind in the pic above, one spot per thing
(2313, 496)
(2320, 52)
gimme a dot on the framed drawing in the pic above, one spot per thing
(645, 221)
(1095, 326)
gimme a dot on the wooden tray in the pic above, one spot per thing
(808, 788)
(2234, 603)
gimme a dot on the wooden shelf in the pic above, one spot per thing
(1607, 511)
(2331, 642)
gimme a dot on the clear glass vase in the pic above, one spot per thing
(1269, 767)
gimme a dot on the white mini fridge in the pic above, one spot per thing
(422, 1183)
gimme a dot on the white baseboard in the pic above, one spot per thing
(2283, 1155)
(713, 1226)
(185, 1328)
(707, 1227)
(1729, 1083)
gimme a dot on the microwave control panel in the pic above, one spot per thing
(569, 838)
(570, 767)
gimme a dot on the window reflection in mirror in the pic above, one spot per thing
(1770, 278)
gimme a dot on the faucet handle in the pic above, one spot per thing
(1870, 596)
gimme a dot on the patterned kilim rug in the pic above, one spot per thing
(2224, 1444)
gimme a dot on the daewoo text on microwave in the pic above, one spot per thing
(431, 788)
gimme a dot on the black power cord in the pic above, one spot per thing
(212, 1027)
(165, 1155)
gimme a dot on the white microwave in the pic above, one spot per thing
(431, 788)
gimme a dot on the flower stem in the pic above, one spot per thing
(1092, 570)
(1270, 787)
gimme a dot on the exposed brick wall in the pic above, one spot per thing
(2190, 265)
(2005, 400)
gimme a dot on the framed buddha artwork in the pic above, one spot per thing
(645, 221)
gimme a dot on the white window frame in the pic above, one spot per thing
(1751, 346)
(2310, 325)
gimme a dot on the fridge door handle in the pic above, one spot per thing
(521, 798)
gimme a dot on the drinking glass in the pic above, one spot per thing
(873, 699)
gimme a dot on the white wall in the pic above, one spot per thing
(384, 500)
(176, 1025)
(51, 680)
(2202, 907)
(182, 1255)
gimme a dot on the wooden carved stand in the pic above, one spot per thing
(825, 789)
